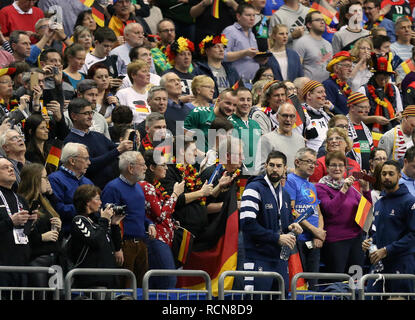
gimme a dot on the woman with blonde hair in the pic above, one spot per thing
(362, 53)
(83, 36)
(284, 62)
(337, 140)
(45, 236)
(257, 92)
(203, 89)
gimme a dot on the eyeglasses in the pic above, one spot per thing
(346, 65)
(139, 164)
(268, 76)
(287, 116)
(83, 158)
(16, 138)
(168, 30)
(7, 82)
(87, 113)
(333, 139)
(335, 166)
(318, 20)
(368, 8)
(309, 162)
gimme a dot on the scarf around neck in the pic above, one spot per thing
(330, 182)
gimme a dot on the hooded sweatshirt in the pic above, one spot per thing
(260, 222)
(289, 17)
(394, 223)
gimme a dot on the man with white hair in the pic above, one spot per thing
(134, 37)
(14, 148)
(125, 191)
(69, 176)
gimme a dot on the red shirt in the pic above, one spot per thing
(11, 20)
(159, 212)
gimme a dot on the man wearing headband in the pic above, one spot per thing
(316, 119)
(358, 132)
(224, 75)
(397, 140)
(179, 55)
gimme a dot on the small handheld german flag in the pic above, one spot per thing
(238, 84)
(182, 244)
(362, 211)
(54, 156)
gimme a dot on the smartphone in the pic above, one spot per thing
(34, 206)
(55, 70)
(48, 96)
(34, 80)
(121, 77)
(132, 137)
(363, 176)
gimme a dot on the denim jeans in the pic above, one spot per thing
(160, 257)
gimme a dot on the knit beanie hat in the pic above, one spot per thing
(356, 98)
(310, 86)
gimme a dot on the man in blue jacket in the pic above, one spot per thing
(64, 182)
(394, 230)
(265, 217)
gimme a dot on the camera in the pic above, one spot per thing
(118, 210)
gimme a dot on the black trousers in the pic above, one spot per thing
(340, 255)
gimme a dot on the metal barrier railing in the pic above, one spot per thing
(321, 276)
(362, 293)
(167, 293)
(250, 294)
(102, 291)
(31, 293)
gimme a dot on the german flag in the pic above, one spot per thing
(52, 160)
(295, 266)
(182, 244)
(405, 67)
(222, 256)
(140, 106)
(298, 121)
(329, 13)
(215, 9)
(362, 211)
(238, 84)
(97, 11)
(376, 138)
